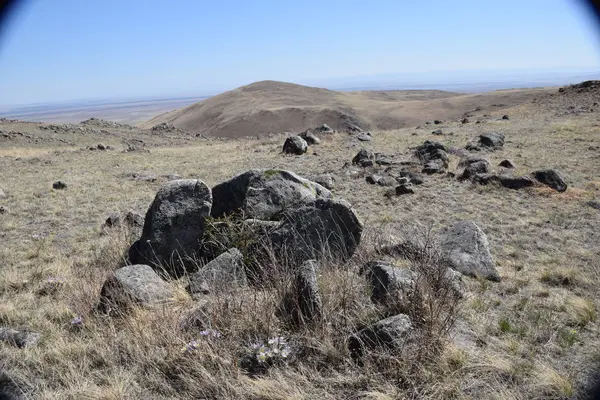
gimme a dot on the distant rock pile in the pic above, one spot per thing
(167, 127)
(100, 123)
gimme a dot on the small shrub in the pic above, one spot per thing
(504, 325)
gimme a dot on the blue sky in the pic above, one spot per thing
(76, 49)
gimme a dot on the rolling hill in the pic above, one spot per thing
(274, 107)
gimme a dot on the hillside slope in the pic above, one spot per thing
(273, 107)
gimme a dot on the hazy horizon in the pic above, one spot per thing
(467, 81)
(133, 110)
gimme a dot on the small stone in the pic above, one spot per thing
(389, 333)
(373, 179)
(465, 120)
(325, 180)
(404, 189)
(295, 145)
(437, 122)
(365, 137)
(594, 204)
(386, 281)
(387, 181)
(310, 138)
(324, 129)
(507, 164)
(505, 117)
(437, 132)
(362, 156)
(58, 185)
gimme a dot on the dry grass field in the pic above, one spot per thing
(534, 335)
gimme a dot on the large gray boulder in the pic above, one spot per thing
(134, 283)
(174, 227)
(551, 178)
(467, 249)
(386, 281)
(225, 271)
(295, 145)
(327, 228)
(265, 194)
(389, 333)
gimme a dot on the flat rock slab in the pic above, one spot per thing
(224, 272)
(468, 250)
(137, 283)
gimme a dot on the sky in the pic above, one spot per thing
(65, 50)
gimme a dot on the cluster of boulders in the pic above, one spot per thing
(384, 170)
(167, 127)
(433, 157)
(479, 170)
(301, 223)
(298, 144)
(100, 147)
(291, 213)
(464, 251)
